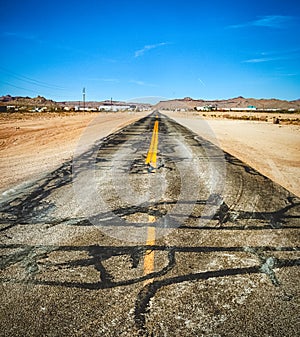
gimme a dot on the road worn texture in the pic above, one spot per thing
(74, 243)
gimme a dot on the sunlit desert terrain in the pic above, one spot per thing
(34, 144)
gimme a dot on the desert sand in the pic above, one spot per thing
(33, 144)
(271, 149)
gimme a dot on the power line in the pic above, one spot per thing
(31, 80)
(17, 87)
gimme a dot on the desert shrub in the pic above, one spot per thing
(263, 118)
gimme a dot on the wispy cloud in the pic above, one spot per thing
(262, 59)
(271, 21)
(137, 82)
(275, 56)
(199, 79)
(142, 51)
(142, 83)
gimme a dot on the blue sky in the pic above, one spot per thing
(131, 49)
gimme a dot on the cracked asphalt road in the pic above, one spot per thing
(226, 250)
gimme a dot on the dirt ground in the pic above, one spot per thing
(33, 144)
(272, 149)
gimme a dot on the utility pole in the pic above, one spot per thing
(83, 98)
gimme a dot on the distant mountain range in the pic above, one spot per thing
(20, 100)
(237, 102)
(185, 103)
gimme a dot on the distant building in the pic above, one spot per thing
(80, 108)
(209, 107)
(201, 108)
(39, 109)
(115, 108)
(249, 108)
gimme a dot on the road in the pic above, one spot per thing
(151, 231)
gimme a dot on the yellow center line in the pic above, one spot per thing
(149, 255)
(152, 152)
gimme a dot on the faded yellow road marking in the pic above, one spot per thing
(149, 255)
(152, 153)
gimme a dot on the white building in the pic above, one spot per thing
(114, 108)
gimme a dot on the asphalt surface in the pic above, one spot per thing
(195, 244)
